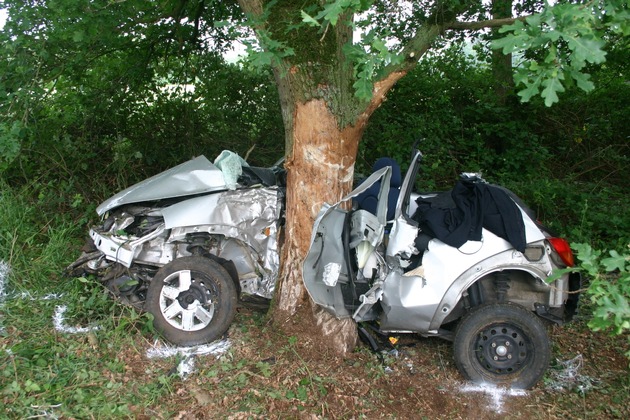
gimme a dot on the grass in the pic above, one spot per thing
(45, 372)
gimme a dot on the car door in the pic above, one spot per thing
(329, 270)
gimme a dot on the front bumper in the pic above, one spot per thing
(121, 249)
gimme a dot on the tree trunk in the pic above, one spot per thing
(324, 123)
(320, 169)
(502, 63)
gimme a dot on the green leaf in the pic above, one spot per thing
(583, 81)
(530, 91)
(585, 49)
(511, 43)
(515, 27)
(557, 273)
(308, 19)
(332, 11)
(553, 36)
(615, 262)
(363, 88)
(552, 85)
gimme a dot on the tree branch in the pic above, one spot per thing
(492, 23)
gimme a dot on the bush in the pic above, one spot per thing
(609, 288)
(35, 244)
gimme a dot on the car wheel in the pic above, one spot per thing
(193, 301)
(503, 344)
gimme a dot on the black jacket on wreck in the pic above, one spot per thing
(458, 217)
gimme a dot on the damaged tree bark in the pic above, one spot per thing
(320, 168)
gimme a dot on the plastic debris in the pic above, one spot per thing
(231, 166)
(566, 375)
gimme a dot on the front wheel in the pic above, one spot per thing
(193, 301)
(502, 344)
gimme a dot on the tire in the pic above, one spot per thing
(503, 344)
(193, 301)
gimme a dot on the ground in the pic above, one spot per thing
(79, 354)
(267, 374)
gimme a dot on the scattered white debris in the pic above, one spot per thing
(43, 411)
(59, 322)
(495, 393)
(567, 376)
(187, 364)
(24, 295)
(29, 296)
(186, 367)
(4, 276)
(162, 350)
(52, 296)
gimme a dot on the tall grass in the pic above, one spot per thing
(35, 245)
(45, 370)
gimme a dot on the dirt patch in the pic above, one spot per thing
(269, 374)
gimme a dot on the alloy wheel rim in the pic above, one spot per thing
(186, 301)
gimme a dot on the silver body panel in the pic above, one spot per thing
(422, 299)
(239, 225)
(197, 176)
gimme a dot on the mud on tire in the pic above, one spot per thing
(193, 301)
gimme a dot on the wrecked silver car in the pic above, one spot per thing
(470, 265)
(185, 244)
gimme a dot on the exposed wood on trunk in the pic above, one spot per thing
(320, 169)
(379, 94)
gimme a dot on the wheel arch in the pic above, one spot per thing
(255, 260)
(229, 266)
(526, 278)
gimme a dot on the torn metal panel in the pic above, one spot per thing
(325, 269)
(249, 216)
(193, 177)
(244, 224)
(248, 210)
(354, 263)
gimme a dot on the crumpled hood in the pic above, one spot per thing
(196, 176)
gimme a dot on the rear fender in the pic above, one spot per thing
(527, 288)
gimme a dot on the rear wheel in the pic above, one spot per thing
(193, 301)
(502, 344)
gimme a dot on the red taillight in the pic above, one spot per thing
(563, 249)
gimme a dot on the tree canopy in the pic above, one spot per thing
(129, 49)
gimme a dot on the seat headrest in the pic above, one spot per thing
(396, 179)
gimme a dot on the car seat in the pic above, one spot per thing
(368, 200)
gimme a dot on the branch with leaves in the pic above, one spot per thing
(609, 288)
(572, 36)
